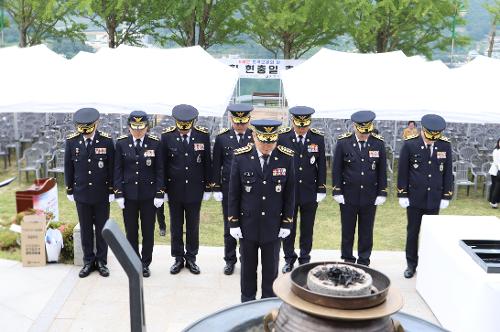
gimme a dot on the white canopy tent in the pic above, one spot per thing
(114, 80)
(396, 87)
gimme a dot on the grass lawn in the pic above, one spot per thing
(389, 232)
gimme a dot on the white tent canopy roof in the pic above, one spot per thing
(115, 80)
(394, 86)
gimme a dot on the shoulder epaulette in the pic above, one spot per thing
(201, 129)
(122, 137)
(377, 136)
(103, 134)
(243, 149)
(153, 137)
(344, 135)
(285, 150)
(72, 135)
(444, 138)
(284, 130)
(317, 132)
(223, 130)
(412, 137)
(168, 129)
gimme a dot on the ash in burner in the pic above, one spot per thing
(343, 275)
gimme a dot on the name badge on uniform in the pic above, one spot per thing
(279, 171)
(149, 153)
(312, 148)
(199, 147)
(278, 188)
(198, 159)
(100, 164)
(100, 150)
(373, 154)
(148, 162)
(441, 167)
(248, 188)
(312, 160)
(441, 155)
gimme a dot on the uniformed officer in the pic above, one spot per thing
(139, 184)
(186, 150)
(425, 180)
(310, 177)
(260, 205)
(359, 184)
(226, 142)
(88, 172)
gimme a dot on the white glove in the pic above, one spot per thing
(71, 198)
(206, 195)
(444, 204)
(165, 198)
(320, 197)
(236, 233)
(284, 232)
(158, 202)
(339, 198)
(120, 202)
(218, 196)
(111, 197)
(380, 200)
(404, 202)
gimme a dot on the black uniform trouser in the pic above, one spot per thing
(160, 216)
(269, 255)
(494, 195)
(365, 217)
(146, 210)
(192, 213)
(307, 216)
(90, 215)
(229, 241)
(412, 231)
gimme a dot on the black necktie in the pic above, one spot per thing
(240, 138)
(137, 146)
(264, 158)
(362, 145)
(429, 148)
(301, 143)
(88, 143)
(185, 140)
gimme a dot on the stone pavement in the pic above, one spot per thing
(53, 298)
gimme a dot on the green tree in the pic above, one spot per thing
(203, 22)
(412, 26)
(127, 21)
(494, 10)
(292, 27)
(38, 20)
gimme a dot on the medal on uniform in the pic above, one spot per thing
(198, 160)
(415, 166)
(312, 160)
(148, 162)
(374, 165)
(248, 188)
(100, 164)
(278, 188)
(441, 167)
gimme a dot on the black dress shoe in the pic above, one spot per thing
(86, 270)
(193, 268)
(103, 270)
(163, 232)
(287, 268)
(409, 272)
(177, 267)
(146, 272)
(229, 269)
